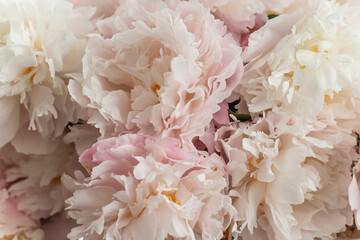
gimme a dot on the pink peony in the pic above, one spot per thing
(14, 224)
(142, 188)
(161, 68)
(238, 15)
(242, 17)
(31, 189)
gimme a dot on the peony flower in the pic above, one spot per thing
(142, 188)
(159, 68)
(242, 17)
(40, 42)
(31, 189)
(287, 182)
(14, 224)
(306, 62)
(239, 16)
(39, 193)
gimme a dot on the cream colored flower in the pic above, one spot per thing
(40, 41)
(288, 182)
(307, 62)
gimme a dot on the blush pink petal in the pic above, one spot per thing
(142, 187)
(162, 72)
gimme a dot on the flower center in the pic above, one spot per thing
(326, 97)
(56, 180)
(253, 165)
(30, 70)
(20, 235)
(171, 197)
(155, 88)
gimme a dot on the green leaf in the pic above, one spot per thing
(239, 116)
(271, 16)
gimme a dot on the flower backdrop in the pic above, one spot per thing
(171, 119)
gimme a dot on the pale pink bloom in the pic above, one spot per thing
(40, 42)
(244, 16)
(33, 181)
(162, 70)
(238, 15)
(287, 182)
(306, 62)
(142, 188)
(14, 224)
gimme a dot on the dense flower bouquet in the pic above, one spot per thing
(170, 119)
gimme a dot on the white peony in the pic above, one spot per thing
(288, 182)
(40, 41)
(306, 62)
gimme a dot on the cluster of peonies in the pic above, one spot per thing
(171, 119)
